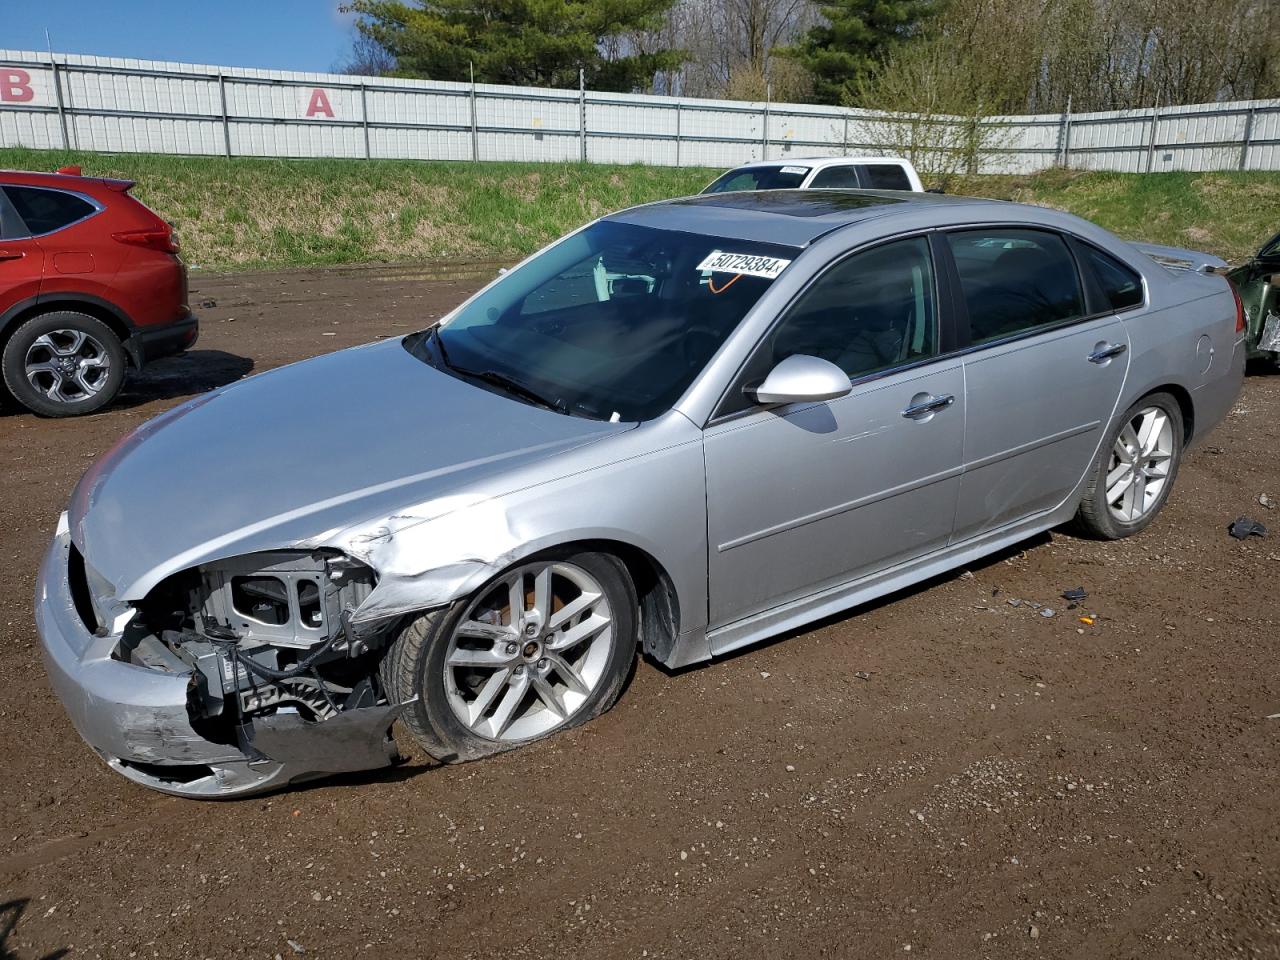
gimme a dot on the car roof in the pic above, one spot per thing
(790, 217)
(30, 178)
(819, 162)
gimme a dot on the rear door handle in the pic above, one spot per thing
(923, 408)
(1105, 352)
(11, 254)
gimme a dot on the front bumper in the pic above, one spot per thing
(136, 718)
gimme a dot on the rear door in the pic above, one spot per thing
(1042, 376)
(21, 258)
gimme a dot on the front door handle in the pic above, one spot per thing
(11, 254)
(1105, 351)
(927, 406)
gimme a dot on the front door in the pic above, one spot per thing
(806, 496)
(1043, 383)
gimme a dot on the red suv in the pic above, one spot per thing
(90, 283)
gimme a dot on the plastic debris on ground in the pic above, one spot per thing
(1074, 596)
(1243, 528)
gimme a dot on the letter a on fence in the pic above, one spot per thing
(318, 105)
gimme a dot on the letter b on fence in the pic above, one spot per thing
(16, 87)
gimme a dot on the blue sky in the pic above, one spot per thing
(281, 34)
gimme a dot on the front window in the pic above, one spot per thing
(783, 177)
(867, 314)
(612, 323)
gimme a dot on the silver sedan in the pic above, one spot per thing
(680, 429)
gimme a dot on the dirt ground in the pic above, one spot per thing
(943, 774)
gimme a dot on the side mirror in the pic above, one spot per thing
(803, 379)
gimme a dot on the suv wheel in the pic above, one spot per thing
(63, 364)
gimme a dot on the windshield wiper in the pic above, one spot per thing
(439, 342)
(513, 386)
(507, 383)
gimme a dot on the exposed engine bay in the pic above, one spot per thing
(273, 656)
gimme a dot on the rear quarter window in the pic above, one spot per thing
(884, 176)
(44, 211)
(1121, 286)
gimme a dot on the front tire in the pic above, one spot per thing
(544, 646)
(63, 364)
(1134, 471)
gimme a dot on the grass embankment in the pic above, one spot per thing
(245, 212)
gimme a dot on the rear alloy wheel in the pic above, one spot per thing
(542, 647)
(63, 364)
(1134, 471)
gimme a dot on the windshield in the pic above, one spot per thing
(1272, 249)
(759, 178)
(612, 323)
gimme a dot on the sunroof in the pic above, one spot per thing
(796, 203)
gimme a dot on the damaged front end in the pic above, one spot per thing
(1258, 283)
(232, 678)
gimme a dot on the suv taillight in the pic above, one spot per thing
(160, 238)
(1240, 319)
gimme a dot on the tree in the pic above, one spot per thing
(937, 101)
(367, 59)
(731, 48)
(854, 39)
(524, 42)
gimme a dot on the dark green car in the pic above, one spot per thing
(1257, 281)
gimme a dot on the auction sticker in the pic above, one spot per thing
(795, 169)
(743, 263)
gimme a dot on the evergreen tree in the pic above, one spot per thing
(854, 37)
(541, 43)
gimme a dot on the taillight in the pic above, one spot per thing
(1240, 320)
(160, 238)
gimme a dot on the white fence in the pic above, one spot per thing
(51, 101)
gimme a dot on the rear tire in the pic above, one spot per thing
(1134, 470)
(63, 364)
(484, 680)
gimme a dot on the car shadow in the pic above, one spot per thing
(183, 375)
(1258, 367)
(990, 560)
(10, 913)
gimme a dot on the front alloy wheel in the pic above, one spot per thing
(529, 651)
(544, 646)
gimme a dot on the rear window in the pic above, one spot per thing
(885, 176)
(1015, 281)
(44, 211)
(1121, 286)
(783, 177)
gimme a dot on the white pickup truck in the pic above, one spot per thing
(816, 173)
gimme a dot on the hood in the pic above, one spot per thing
(298, 453)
